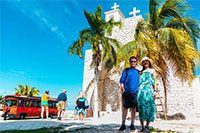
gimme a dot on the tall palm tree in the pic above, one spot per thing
(28, 90)
(168, 37)
(104, 49)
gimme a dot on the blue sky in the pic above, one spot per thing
(36, 34)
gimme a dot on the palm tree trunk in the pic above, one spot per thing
(96, 104)
(165, 92)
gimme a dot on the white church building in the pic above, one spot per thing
(180, 97)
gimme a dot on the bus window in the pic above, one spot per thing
(11, 102)
(32, 104)
(38, 104)
(49, 104)
(53, 104)
(21, 103)
(27, 102)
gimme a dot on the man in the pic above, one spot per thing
(62, 103)
(6, 110)
(129, 83)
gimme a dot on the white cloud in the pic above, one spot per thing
(54, 28)
(39, 16)
(17, 72)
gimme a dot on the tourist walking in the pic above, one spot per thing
(129, 83)
(44, 104)
(6, 110)
(145, 99)
(80, 105)
(62, 104)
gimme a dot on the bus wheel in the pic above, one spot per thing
(21, 116)
(24, 116)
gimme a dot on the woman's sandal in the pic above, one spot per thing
(147, 129)
(142, 129)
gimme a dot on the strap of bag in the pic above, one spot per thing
(127, 69)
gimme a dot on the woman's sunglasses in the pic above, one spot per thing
(133, 61)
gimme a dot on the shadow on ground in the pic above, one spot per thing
(60, 127)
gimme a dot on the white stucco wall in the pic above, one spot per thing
(115, 15)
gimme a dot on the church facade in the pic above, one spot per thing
(181, 98)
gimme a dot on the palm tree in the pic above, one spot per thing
(28, 91)
(21, 90)
(104, 49)
(1, 99)
(168, 37)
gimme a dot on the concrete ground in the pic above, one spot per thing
(109, 124)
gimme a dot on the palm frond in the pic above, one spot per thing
(181, 53)
(126, 50)
(17, 91)
(177, 5)
(153, 5)
(98, 13)
(110, 24)
(91, 20)
(34, 91)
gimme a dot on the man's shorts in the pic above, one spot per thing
(61, 105)
(129, 100)
(44, 104)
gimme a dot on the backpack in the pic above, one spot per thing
(86, 104)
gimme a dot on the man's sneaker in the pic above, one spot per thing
(132, 127)
(59, 118)
(122, 128)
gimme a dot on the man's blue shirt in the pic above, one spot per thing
(62, 97)
(131, 84)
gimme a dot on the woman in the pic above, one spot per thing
(145, 99)
(80, 105)
(44, 104)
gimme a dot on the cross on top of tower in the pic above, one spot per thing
(115, 6)
(134, 12)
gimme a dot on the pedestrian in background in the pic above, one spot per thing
(44, 104)
(81, 105)
(62, 104)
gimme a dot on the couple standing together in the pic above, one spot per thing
(138, 90)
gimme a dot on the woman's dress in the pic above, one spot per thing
(145, 98)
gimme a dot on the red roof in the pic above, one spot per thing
(27, 97)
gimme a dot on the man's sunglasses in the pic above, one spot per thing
(133, 61)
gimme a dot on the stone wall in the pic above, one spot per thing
(181, 98)
(126, 33)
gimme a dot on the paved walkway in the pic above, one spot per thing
(98, 125)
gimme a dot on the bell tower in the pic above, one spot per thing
(116, 14)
